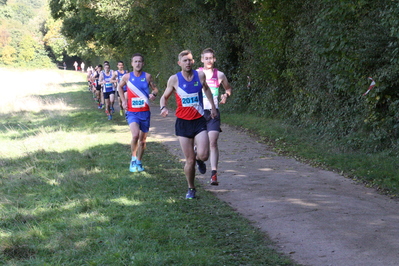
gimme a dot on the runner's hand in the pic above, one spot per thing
(223, 99)
(152, 97)
(213, 113)
(164, 112)
(124, 104)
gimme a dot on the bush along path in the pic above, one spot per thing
(316, 217)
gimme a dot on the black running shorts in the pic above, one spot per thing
(189, 128)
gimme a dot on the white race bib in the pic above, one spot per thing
(138, 102)
(190, 100)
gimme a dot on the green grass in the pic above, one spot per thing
(379, 169)
(68, 198)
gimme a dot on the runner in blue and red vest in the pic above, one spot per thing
(140, 90)
(188, 86)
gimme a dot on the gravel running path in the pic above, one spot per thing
(316, 217)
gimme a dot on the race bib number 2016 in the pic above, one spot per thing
(138, 103)
(190, 100)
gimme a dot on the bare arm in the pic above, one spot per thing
(101, 78)
(172, 82)
(114, 78)
(226, 86)
(153, 87)
(122, 83)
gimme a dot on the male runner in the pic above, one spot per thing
(97, 85)
(214, 78)
(188, 86)
(116, 77)
(108, 90)
(137, 109)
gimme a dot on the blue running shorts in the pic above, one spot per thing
(141, 118)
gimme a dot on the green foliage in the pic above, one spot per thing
(21, 42)
(308, 61)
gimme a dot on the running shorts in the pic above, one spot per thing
(212, 124)
(190, 128)
(107, 94)
(141, 118)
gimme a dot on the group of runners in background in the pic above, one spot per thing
(197, 94)
(103, 82)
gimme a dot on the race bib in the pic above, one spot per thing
(108, 85)
(190, 100)
(138, 103)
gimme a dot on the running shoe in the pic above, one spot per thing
(191, 193)
(214, 180)
(121, 112)
(140, 167)
(110, 117)
(112, 110)
(201, 166)
(133, 166)
(100, 106)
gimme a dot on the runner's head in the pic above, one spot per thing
(137, 62)
(106, 67)
(120, 65)
(208, 58)
(186, 60)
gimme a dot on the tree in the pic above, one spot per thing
(8, 55)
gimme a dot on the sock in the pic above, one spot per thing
(214, 172)
(134, 158)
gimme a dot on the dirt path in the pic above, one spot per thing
(314, 216)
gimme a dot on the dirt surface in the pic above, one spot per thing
(314, 216)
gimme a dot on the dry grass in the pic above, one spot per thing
(23, 96)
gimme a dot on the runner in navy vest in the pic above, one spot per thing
(188, 86)
(97, 86)
(140, 90)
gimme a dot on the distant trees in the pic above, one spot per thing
(22, 26)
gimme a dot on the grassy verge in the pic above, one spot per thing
(67, 197)
(375, 169)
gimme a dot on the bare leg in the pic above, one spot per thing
(142, 144)
(135, 130)
(214, 149)
(187, 146)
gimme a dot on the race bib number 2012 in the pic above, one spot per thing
(190, 100)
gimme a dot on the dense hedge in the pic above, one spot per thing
(308, 60)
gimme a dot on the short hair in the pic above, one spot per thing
(100, 66)
(120, 62)
(208, 50)
(106, 62)
(184, 53)
(138, 54)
